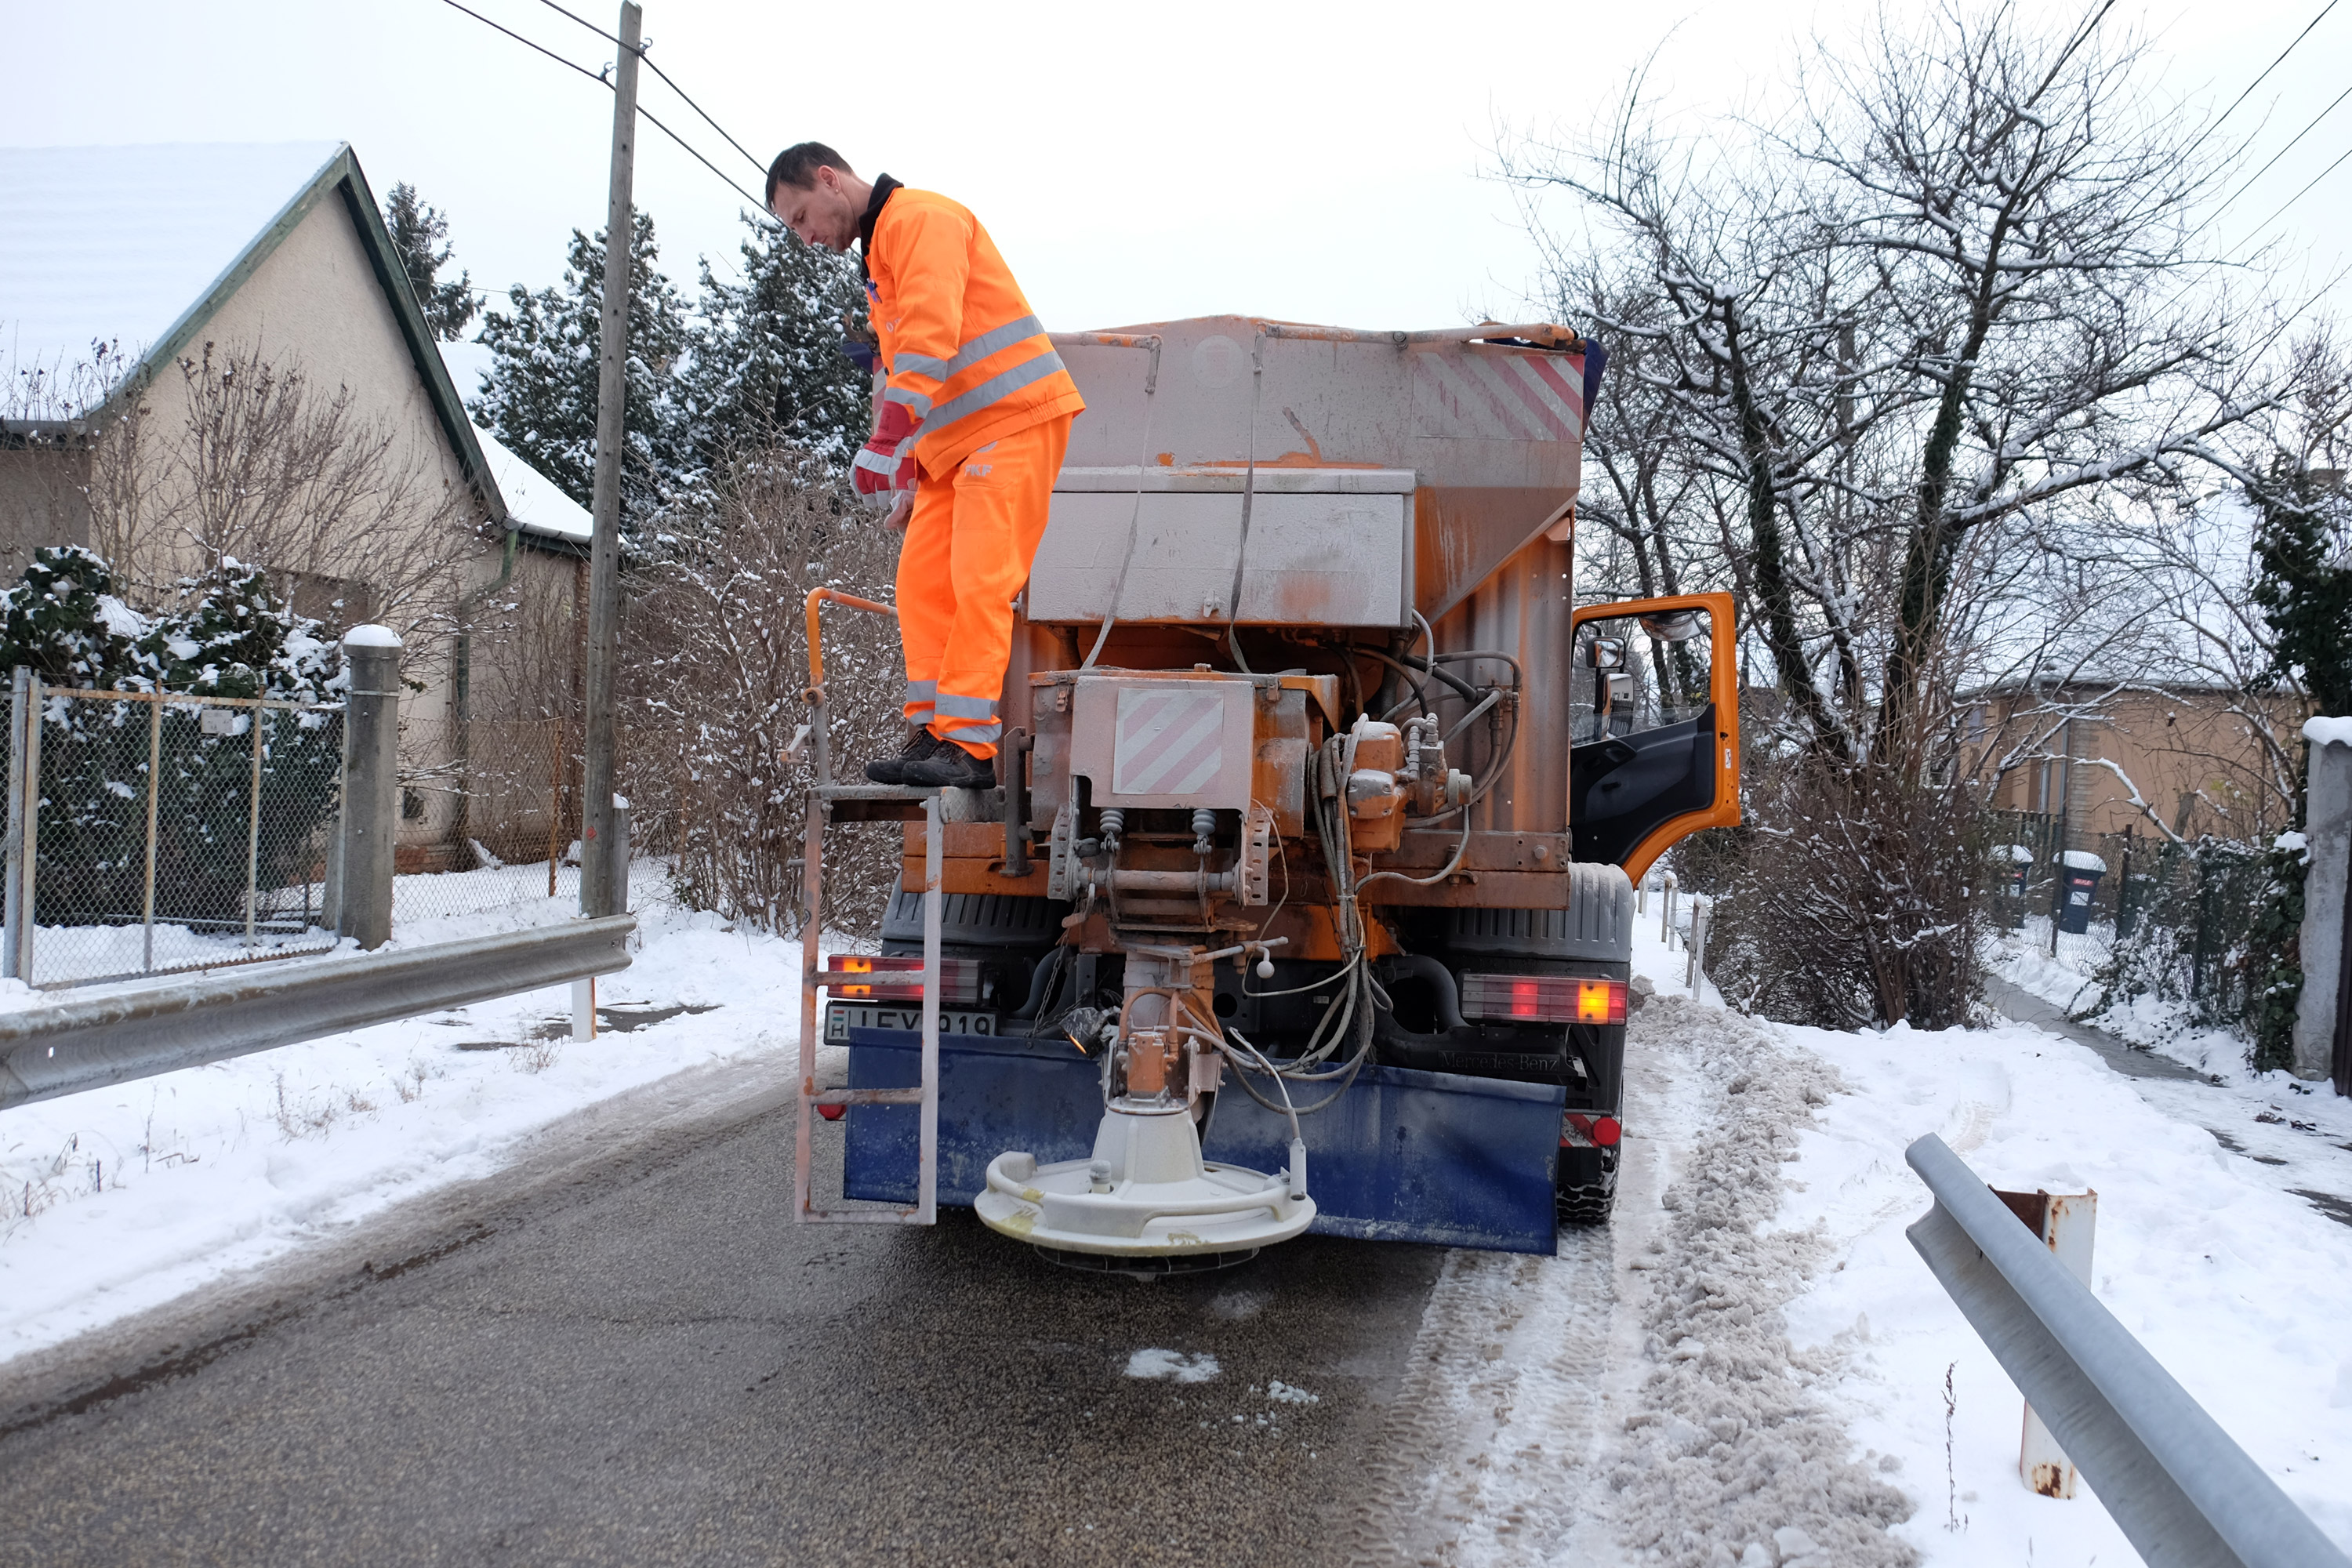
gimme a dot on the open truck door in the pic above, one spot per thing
(1654, 727)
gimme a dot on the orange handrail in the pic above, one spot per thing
(816, 596)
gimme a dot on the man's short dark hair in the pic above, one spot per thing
(797, 166)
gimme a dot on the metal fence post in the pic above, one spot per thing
(19, 699)
(370, 821)
(24, 828)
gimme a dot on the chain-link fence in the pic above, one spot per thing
(155, 832)
(2164, 917)
(489, 820)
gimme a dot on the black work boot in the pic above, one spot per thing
(893, 770)
(951, 767)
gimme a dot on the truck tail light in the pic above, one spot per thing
(894, 977)
(1579, 1130)
(1543, 999)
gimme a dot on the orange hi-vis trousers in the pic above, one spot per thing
(965, 557)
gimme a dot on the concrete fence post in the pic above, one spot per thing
(2323, 1019)
(370, 816)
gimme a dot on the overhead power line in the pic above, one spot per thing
(2283, 152)
(688, 147)
(2272, 67)
(666, 77)
(2305, 191)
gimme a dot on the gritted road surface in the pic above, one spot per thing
(632, 1356)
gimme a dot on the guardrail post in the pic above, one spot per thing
(1702, 916)
(2323, 1017)
(2066, 1224)
(370, 816)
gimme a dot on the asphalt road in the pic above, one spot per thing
(632, 1356)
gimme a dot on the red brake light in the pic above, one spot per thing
(897, 977)
(1543, 999)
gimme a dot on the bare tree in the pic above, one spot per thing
(1898, 345)
(717, 690)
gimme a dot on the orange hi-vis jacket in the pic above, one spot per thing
(964, 351)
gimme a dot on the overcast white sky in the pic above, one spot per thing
(1135, 163)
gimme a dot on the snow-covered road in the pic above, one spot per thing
(1749, 1367)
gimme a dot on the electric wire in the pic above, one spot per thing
(2282, 152)
(688, 147)
(2267, 71)
(666, 77)
(2304, 192)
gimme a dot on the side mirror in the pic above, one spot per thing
(1673, 626)
(1608, 653)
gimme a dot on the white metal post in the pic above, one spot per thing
(927, 1190)
(2068, 1224)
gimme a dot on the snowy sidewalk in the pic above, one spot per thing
(123, 1199)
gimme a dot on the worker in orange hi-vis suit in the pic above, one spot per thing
(973, 419)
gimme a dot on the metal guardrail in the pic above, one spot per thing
(2181, 1491)
(94, 1040)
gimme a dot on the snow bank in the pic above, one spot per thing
(124, 1198)
(1734, 1457)
(2320, 731)
(2234, 1284)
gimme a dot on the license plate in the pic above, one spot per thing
(839, 1019)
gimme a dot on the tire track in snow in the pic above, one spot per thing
(1505, 1445)
(1733, 1457)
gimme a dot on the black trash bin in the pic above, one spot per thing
(2011, 863)
(2079, 871)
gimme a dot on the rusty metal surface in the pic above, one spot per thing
(1492, 432)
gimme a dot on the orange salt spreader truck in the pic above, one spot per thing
(1305, 898)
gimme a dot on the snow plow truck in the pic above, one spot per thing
(1305, 901)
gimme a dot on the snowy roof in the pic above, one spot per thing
(534, 503)
(119, 244)
(138, 246)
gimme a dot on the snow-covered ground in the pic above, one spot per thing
(121, 1199)
(2065, 976)
(1748, 1368)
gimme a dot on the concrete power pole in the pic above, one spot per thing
(599, 877)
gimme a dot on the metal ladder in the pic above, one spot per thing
(830, 802)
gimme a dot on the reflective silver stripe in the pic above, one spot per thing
(988, 732)
(918, 694)
(919, 403)
(994, 389)
(956, 707)
(874, 462)
(996, 340)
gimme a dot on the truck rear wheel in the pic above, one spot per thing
(1587, 1186)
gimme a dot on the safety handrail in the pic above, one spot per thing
(2180, 1488)
(818, 732)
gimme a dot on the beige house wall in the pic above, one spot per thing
(41, 503)
(2198, 764)
(316, 303)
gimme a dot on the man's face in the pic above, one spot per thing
(822, 214)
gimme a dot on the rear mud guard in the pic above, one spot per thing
(1405, 1155)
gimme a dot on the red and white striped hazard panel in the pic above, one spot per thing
(1170, 739)
(1498, 396)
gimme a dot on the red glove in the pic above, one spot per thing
(879, 467)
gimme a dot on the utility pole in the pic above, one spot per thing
(598, 875)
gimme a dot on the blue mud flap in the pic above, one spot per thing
(1404, 1156)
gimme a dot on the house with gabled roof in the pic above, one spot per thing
(136, 285)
